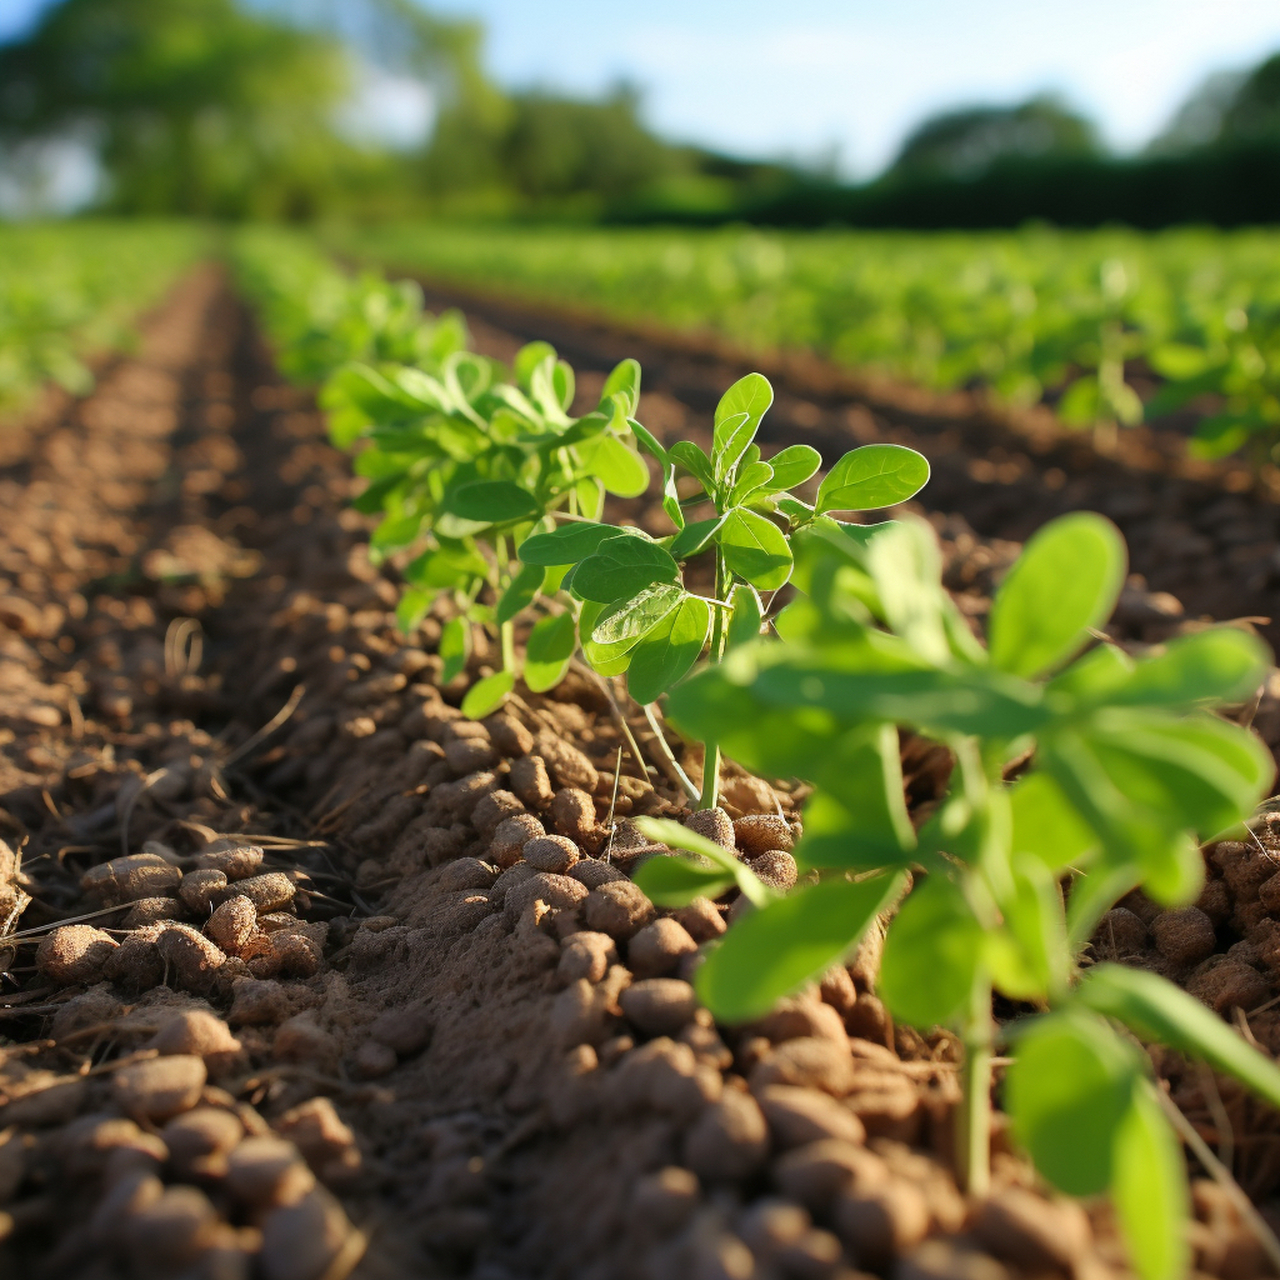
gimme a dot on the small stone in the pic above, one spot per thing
(304, 1240)
(465, 873)
(559, 893)
(715, 825)
(1226, 984)
(702, 918)
(593, 873)
(551, 853)
(566, 765)
(326, 1142)
(665, 1200)
(776, 868)
(269, 892)
(529, 781)
(509, 736)
(158, 1088)
(195, 1031)
(657, 949)
(809, 1062)
(151, 911)
(659, 1006)
(882, 1222)
(236, 861)
(134, 876)
(1185, 935)
(197, 890)
(758, 833)
(301, 1038)
(258, 1002)
(169, 1233)
(573, 813)
(730, 1140)
(192, 958)
(469, 755)
(510, 837)
(798, 1116)
(373, 1060)
(232, 924)
(586, 955)
(405, 1030)
(1032, 1232)
(74, 953)
(493, 810)
(265, 1171)
(943, 1260)
(619, 909)
(199, 1140)
(817, 1172)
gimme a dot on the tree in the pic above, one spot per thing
(965, 142)
(198, 107)
(1228, 109)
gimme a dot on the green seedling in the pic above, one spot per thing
(1001, 888)
(637, 616)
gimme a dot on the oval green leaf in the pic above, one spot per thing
(487, 695)
(621, 568)
(491, 501)
(1064, 585)
(669, 651)
(548, 651)
(755, 548)
(872, 477)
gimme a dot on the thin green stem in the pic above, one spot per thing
(508, 634)
(710, 796)
(973, 1128)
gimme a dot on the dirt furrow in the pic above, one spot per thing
(456, 1006)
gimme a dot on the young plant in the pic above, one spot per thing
(635, 612)
(1001, 888)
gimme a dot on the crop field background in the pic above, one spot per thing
(577, 705)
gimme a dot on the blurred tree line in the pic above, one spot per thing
(242, 109)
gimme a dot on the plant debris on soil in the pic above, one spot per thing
(303, 974)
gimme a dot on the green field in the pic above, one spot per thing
(1037, 314)
(71, 290)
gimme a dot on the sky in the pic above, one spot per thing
(811, 79)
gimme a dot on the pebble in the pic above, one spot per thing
(258, 1002)
(1121, 932)
(730, 1140)
(1032, 1232)
(495, 809)
(195, 1031)
(469, 755)
(170, 1232)
(665, 1200)
(817, 1172)
(657, 949)
(192, 958)
(373, 1060)
(798, 1116)
(715, 825)
(197, 890)
(798, 1016)
(702, 919)
(509, 735)
(619, 909)
(266, 1171)
(593, 873)
(942, 1260)
(586, 955)
(659, 1006)
(555, 854)
(1185, 935)
(134, 876)
(530, 781)
(777, 869)
(405, 1030)
(808, 1062)
(267, 892)
(573, 813)
(303, 1241)
(758, 833)
(465, 873)
(74, 953)
(327, 1143)
(881, 1222)
(301, 1038)
(232, 924)
(1225, 984)
(557, 892)
(236, 861)
(199, 1140)
(510, 837)
(147, 911)
(158, 1088)
(567, 766)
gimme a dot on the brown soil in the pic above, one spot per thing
(372, 970)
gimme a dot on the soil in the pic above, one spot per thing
(364, 986)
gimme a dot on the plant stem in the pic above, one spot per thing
(669, 762)
(710, 796)
(508, 634)
(973, 1129)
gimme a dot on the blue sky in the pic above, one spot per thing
(808, 76)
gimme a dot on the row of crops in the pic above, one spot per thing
(72, 291)
(1083, 320)
(489, 496)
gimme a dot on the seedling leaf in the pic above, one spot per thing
(487, 695)
(872, 477)
(1064, 585)
(668, 651)
(755, 549)
(548, 651)
(623, 567)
